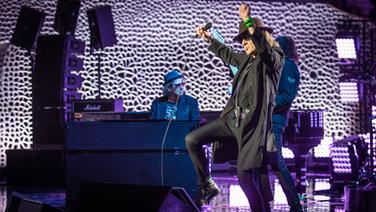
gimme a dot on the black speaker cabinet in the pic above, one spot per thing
(48, 77)
(66, 16)
(29, 24)
(38, 167)
(138, 168)
(18, 204)
(53, 60)
(122, 197)
(48, 126)
(360, 198)
(128, 153)
(102, 30)
(47, 89)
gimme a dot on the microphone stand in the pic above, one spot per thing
(98, 53)
(185, 60)
(31, 54)
(99, 75)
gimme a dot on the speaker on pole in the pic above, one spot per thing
(102, 30)
(66, 16)
(29, 24)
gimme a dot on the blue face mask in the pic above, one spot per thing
(179, 90)
(178, 86)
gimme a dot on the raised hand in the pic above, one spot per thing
(206, 36)
(244, 11)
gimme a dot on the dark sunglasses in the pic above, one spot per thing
(247, 35)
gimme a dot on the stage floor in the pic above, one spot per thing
(320, 196)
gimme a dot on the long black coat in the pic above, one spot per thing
(255, 132)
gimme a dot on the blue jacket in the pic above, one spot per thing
(187, 109)
(287, 90)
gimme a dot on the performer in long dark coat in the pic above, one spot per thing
(286, 93)
(247, 115)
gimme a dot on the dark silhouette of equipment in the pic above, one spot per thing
(26, 167)
(19, 204)
(347, 158)
(130, 156)
(102, 34)
(48, 85)
(29, 24)
(102, 29)
(122, 197)
(66, 16)
(304, 131)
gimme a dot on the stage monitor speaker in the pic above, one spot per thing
(29, 24)
(66, 16)
(102, 30)
(19, 204)
(122, 197)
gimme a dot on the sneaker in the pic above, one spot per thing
(207, 191)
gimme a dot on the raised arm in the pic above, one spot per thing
(226, 53)
(222, 51)
(271, 57)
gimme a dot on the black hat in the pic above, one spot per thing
(243, 30)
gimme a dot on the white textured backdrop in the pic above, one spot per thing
(153, 37)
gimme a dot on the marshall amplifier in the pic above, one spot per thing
(112, 116)
(96, 105)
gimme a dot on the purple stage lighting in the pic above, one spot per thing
(340, 159)
(348, 43)
(287, 153)
(321, 184)
(346, 48)
(374, 115)
(349, 91)
(237, 197)
(347, 158)
(323, 149)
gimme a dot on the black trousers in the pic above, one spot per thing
(278, 165)
(218, 130)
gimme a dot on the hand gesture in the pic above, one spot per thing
(244, 11)
(206, 36)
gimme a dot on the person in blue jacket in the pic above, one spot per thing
(175, 104)
(286, 93)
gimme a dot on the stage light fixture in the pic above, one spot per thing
(287, 153)
(347, 157)
(349, 91)
(323, 149)
(348, 43)
(346, 47)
